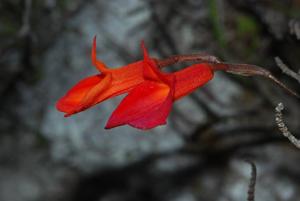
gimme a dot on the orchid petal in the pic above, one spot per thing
(151, 70)
(146, 106)
(83, 94)
(154, 117)
(191, 78)
(97, 63)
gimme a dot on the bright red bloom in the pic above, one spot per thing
(151, 92)
(97, 88)
(148, 104)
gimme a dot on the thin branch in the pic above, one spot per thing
(251, 70)
(283, 128)
(216, 65)
(285, 69)
(251, 187)
(199, 58)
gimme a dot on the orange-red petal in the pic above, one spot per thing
(146, 106)
(190, 78)
(151, 70)
(97, 63)
(123, 80)
(84, 94)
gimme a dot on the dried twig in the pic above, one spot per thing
(285, 69)
(217, 65)
(251, 187)
(199, 58)
(283, 128)
(251, 70)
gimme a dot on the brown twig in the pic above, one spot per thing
(217, 65)
(251, 70)
(199, 58)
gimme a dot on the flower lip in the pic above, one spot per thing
(146, 106)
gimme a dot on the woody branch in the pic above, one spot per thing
(217, 65)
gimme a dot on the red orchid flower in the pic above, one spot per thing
(149, 103)
(97, 88)
(151, 92)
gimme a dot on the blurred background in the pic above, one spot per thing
(199, 155)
